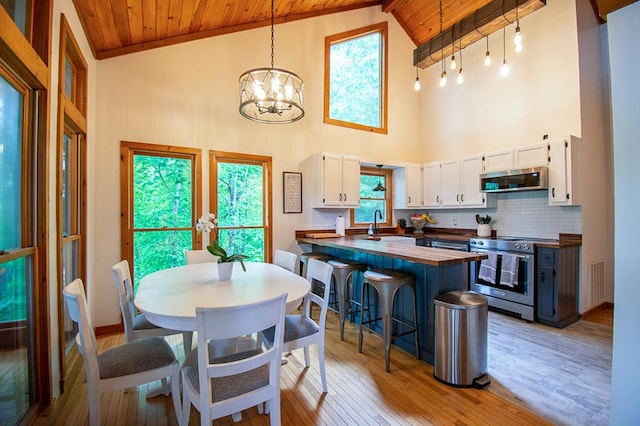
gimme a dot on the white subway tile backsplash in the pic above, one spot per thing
(522, 214)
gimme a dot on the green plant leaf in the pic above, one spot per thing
(216, 250)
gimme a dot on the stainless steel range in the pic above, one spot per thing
(508, 276)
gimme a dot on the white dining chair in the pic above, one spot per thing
(219, 387)
(300, 330)
(199, 256)
(132, 364)
(286, 260)
(136, 325)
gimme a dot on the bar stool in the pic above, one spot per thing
(343, 275)
(323, 257)
(387, 282)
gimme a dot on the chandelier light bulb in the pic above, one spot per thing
(460, 76)
(504, 70)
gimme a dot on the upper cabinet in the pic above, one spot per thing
(334, 180)
(565, 162)
(453, 183)
(407, 187)
(516, 158)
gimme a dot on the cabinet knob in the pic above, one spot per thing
(409, 199)
(341, 197)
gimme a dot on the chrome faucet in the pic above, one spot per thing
(376, 215)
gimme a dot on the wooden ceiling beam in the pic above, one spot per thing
(389, 5)
(484, 21)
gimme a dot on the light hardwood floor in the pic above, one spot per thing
(360, 392)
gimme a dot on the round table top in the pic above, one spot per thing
(169, 297)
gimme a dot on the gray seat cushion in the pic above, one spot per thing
(135, 357)
(295, 327)
(230, 386)
(140, 322)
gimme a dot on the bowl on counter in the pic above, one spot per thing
(418, 224)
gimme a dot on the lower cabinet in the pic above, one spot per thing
(557, 285)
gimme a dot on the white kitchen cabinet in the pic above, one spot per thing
(407, 187)
(453, 183)
(334, 180)
(431, 185)
(530, 156)
(498, 161)
(565, 163)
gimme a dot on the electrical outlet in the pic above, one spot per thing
(455, 222)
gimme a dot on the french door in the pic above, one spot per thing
(240, 194)
(160, 200)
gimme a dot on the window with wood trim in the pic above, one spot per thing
(160, 193)
(372, 201)
(355, 79)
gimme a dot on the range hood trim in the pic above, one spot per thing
(542, 170)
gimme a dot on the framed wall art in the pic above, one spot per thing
(292, 192)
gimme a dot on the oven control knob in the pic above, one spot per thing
(518, 246)
(526, 246)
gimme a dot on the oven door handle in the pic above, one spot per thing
(521, 256)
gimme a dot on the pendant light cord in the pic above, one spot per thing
(272, 54)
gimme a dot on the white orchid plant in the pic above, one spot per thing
(209, 223)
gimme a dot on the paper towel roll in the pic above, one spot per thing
(340, 225)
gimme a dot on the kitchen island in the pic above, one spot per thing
(436, 271)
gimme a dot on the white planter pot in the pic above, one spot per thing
(225, 270)
(484, 230)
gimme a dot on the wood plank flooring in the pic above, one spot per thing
(360, 392)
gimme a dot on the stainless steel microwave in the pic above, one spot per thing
(530, 179)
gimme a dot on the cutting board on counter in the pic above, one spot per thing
(323, 235)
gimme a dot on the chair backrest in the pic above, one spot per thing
(122, 280)
(232, 322)
(319, 271)
(286, 260)
(199, 256)
(76, 300)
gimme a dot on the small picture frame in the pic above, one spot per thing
(292, 192)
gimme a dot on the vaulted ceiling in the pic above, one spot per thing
(119, 27)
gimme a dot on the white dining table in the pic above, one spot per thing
(169, 297)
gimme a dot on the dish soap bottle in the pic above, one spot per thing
(370, 232)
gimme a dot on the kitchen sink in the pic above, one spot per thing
(398, 239)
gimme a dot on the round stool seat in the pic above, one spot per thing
(315, 255)
(387, 282)
(343, 270)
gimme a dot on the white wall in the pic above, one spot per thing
(187, 95)
(66, 7)
(625, 92)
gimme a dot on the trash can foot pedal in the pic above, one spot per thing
(482, 381)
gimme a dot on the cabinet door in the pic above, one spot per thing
(470, 170)
(498, 161)
(331, 180)
(558, 193)
(546, 285)
(350, 181)
(530, 156)
(414, 185)
(450, 183)
(431, 185)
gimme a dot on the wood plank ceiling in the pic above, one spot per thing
(119, 27)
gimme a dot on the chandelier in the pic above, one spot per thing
(271, 95)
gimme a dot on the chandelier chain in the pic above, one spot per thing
(272, 22)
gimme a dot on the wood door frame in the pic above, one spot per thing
(266, 162)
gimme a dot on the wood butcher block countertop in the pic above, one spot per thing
(417, 254)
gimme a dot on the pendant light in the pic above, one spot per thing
(453, 48)
(416, 85)
(487, 56)
(504, 70)
(271, 95)
(443, 74)
(460, 73)
(517, 40)
(380, 187)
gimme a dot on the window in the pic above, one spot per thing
(371, 200)
(240, 186)
(160, 197)
(355, 79)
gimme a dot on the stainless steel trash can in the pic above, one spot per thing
(461, 338)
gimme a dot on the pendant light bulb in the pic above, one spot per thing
(416, 85)
(504, 70)
(453, 62)
(487, 56)
(517, 40)
(443, 79)
(460, 76)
